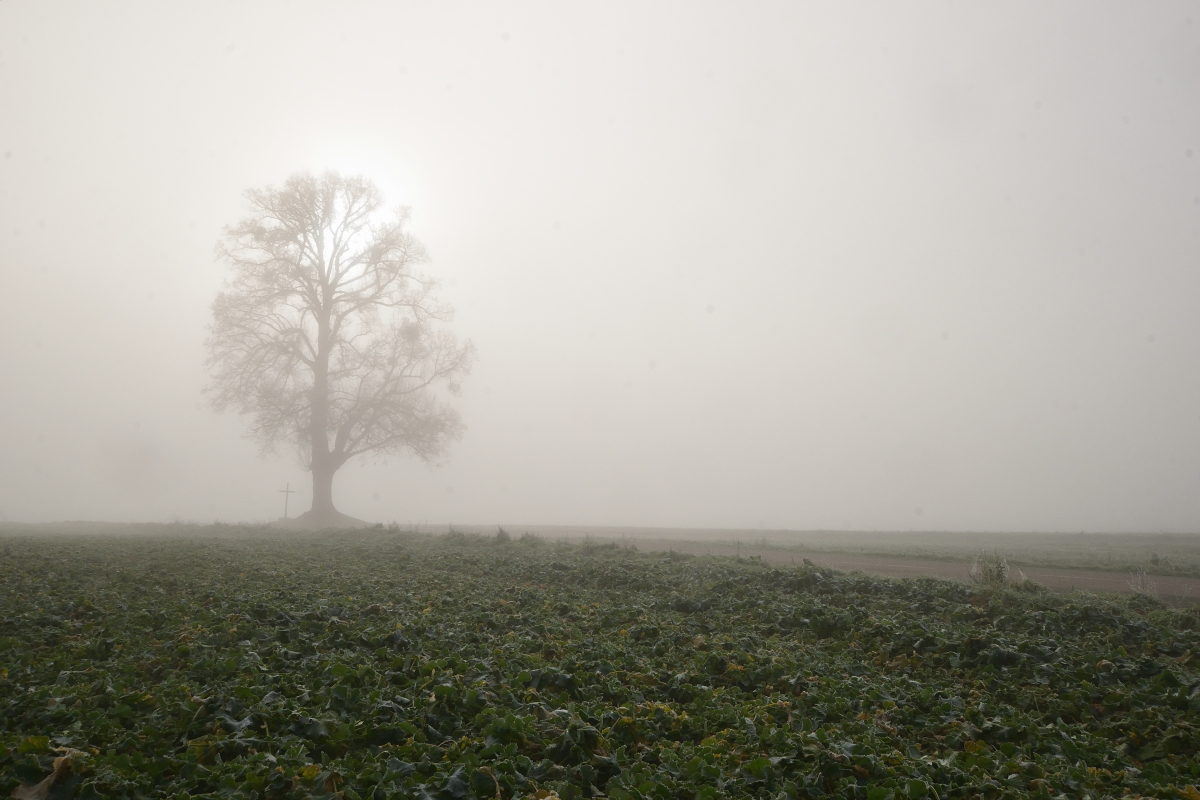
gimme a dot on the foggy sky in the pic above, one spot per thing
(788, 265)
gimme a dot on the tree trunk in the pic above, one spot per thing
(323, 462)
(322, 490)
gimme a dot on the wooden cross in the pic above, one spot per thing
(287, 496)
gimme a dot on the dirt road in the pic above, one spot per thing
(1175, 590)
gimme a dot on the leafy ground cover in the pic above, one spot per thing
(382, 664)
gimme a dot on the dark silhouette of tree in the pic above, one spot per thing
(327, 336)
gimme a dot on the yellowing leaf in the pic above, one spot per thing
(34, 744)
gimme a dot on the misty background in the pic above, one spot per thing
(728, 265)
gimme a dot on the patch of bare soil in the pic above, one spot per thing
(1171, 589)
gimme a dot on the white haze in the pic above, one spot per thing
(789, 265)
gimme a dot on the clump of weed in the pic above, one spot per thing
(1141, 584)
(990, 569)
(501, 536)
(1029, 586)
(993, 569)
(531, 539)
(461, 538)
(589, 546)
(1160, 562)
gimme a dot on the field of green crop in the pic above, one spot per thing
(228, 663)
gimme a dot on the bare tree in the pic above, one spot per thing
(327, 336)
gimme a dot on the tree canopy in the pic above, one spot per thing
(327, 336)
